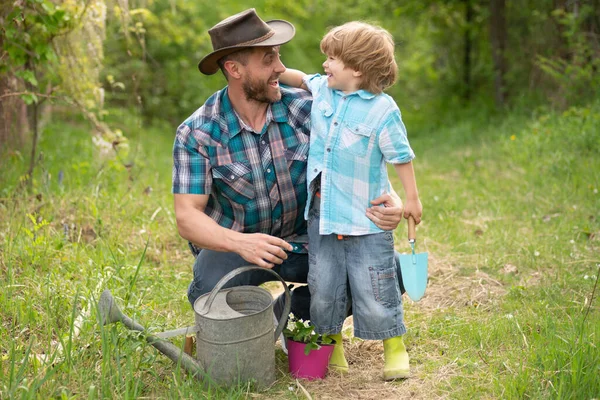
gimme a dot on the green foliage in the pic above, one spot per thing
(302, 331)
(575, 74)
(157, 66)
(32, 26)
(489, 201)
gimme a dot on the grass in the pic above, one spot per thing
(511, 226)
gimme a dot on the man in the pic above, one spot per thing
(239, 173)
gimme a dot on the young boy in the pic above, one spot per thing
(356, 130)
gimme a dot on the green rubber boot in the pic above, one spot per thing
(396, 359)
(338, 362)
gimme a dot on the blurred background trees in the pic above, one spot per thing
(93, 55)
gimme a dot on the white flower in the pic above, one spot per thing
(536, 253)
(509, 316)
(586, 277)
(290, 324)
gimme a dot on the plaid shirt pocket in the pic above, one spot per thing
(234, 181)
(297, 153)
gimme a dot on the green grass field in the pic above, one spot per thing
(511, 224)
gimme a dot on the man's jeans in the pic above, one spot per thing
(211, 266)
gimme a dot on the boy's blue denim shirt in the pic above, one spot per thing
(352, 138)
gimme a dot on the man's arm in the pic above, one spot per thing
(197, 227)
(293, 77)
(389, 216)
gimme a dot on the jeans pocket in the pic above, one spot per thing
(385, 285)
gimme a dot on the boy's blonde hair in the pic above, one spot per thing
(365, 48)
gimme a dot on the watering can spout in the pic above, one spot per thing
(234, 328)
(109, 312)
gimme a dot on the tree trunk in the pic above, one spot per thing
(498, 38)
(13, 112)
(467, 55)
(13, 115)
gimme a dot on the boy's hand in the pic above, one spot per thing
(414, 208)
(389, 216)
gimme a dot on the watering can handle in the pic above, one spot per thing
(241, 270)
(412, 231)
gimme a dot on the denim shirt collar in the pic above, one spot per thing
(361, 93)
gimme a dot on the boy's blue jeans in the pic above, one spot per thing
(358, 272)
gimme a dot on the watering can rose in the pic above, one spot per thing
(302, 331)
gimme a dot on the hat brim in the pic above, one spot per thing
(284, 32)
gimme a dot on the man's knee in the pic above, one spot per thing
(193, 293)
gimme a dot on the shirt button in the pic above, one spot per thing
(269, 170)
(315, 170)
(232, 177)
(335, 123)
(328, 150)
(262, 141)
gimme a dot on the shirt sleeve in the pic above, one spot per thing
(191, 165)
(314, 83)
(393, 141)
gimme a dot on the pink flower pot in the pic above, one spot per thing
(311, 366)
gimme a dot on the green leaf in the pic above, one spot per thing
(28, 76)
(29, 98)
(310, 347)
(325, 339)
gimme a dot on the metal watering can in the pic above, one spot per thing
(234, 332)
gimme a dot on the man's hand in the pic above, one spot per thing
(389, 216)
(263, 250)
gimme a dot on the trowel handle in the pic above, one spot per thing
(412, 231)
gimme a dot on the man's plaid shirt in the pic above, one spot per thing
(256, 180)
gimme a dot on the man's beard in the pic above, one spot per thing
(257, 90)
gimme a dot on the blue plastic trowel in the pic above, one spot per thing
(413, 267)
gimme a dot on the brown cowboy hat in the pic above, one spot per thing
(240, 31)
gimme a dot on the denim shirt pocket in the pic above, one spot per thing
(325, 109)
(356, 138)
(234, 181)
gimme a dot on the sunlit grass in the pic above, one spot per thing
(511, 224)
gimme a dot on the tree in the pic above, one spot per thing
(498, 39)
(13, 114)
(54, 52)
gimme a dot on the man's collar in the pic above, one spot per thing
(279, 111)
(226, 115)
